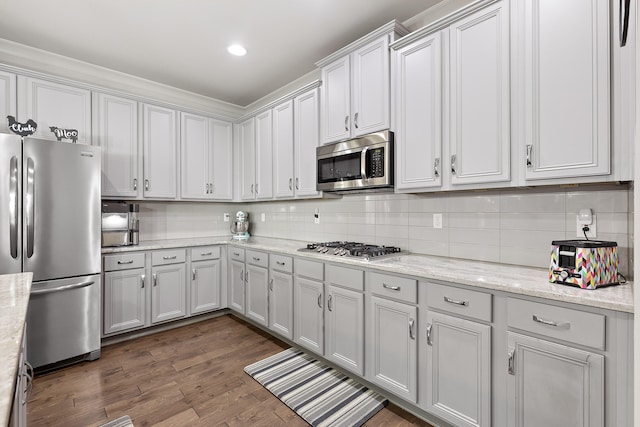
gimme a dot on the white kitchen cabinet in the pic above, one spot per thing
(392, 359)
(205, 158)
(160, 142)
(248, 158)
(257, 287)
(124, 300)
(417, 70)
(237, 286)
(283, 150)
(264, 155)
(306, 140)
(8, 105)
(458, 370)
(281, 303)
(308, 308)
(168, 293)
(564, 87)
(54, 105)
(479, 99)
(115, 127)
(205, 286)
(336, 101)
(344, 328)
(553, 384)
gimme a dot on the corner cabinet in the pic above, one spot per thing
(54, 105)
(564, 87)
(160, 145)
(8, 105)
(115, 126)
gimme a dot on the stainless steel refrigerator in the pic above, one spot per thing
(50, 225)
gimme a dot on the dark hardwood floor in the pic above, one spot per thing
(188, 376)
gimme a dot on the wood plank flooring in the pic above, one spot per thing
(188, 376)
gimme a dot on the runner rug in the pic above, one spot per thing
(318, 393)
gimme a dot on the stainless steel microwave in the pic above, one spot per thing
(357, 164)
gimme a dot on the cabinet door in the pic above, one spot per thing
(124, 300)
(392, 361)
(248, 159)
(194, 151)
(221, 155)
(370, 87)
(160, 152)
(566, 87)
(168, 294)
(258, 294)
(283, 149)
(335, 101)
(281, 303)
(205, 286)
(8, 104)
(307, 137)
(54, 105)
(264, 155)
(553, 385)
(458, 370)
(479, 99)
(344, 333)
(308, 315)
(417, 71)
(116, 131)
(236, 286)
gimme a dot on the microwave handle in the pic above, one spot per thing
(363, 164)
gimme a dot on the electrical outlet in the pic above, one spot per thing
(592, 228)
(263, 217)
(226, 217)
(437, 220)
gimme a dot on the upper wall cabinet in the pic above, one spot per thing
(355, 93)
(283, 137)
(247, 137)
(307, 137)
(160, 145)
(564, 86)
(115, 127)
(205, 158)
(54, 105)
(7, 99)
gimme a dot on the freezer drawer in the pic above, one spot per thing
(63, 320)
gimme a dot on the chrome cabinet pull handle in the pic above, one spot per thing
(135, 184)
(246, 276)
(271, 285)
(355, 120)
(146, 185)
(320, 300)
(257, 192)
(280, 263)
(236, 254)
(13, 207)
(429, 341)
(346, 123)
(456, 302)
(206, 254)
(511, 355)
(297, 183)
(169, 257)
(453, 164)
(256, 259)
(393, 288)
(125, 262)
(529, 150)
(329, 302)
(252, 188)
(412, 333)
(242, 275)
(206, 188)
(559, 325)
(436, 167)
(290, 183)
(30, 208)
(193, 274)
(155, 279)
(142, 281)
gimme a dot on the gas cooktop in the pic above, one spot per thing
(350, 249)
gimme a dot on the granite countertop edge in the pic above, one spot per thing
(526, 281)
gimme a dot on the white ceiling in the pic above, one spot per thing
(182, 43)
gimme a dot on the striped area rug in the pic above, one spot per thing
(318, 393)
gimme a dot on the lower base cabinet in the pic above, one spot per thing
(237, 286)
(257, 288)
(205, 286)
(168, 292)
(344, 333)
(124, 300)
(281, 304)
(308, 314)
(553, 385)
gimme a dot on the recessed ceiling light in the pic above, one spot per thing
(237, 50)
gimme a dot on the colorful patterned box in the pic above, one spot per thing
(585, 263)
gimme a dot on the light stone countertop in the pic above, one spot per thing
(14, 299)
(514, 279)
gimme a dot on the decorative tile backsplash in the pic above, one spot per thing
(511, 226)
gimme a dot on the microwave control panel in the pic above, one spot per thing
(376, 163)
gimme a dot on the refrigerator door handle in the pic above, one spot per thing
(62, 288)
(13, 207)
(30, 206)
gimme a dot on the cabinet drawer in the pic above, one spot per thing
(205, 252)
(123, 261)
(281, 263)
(567, 324)
(460, 301)
(170, 256)
(394, 287)
(258, 258)
(236, 253)
(345, 277)
(310, 269)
